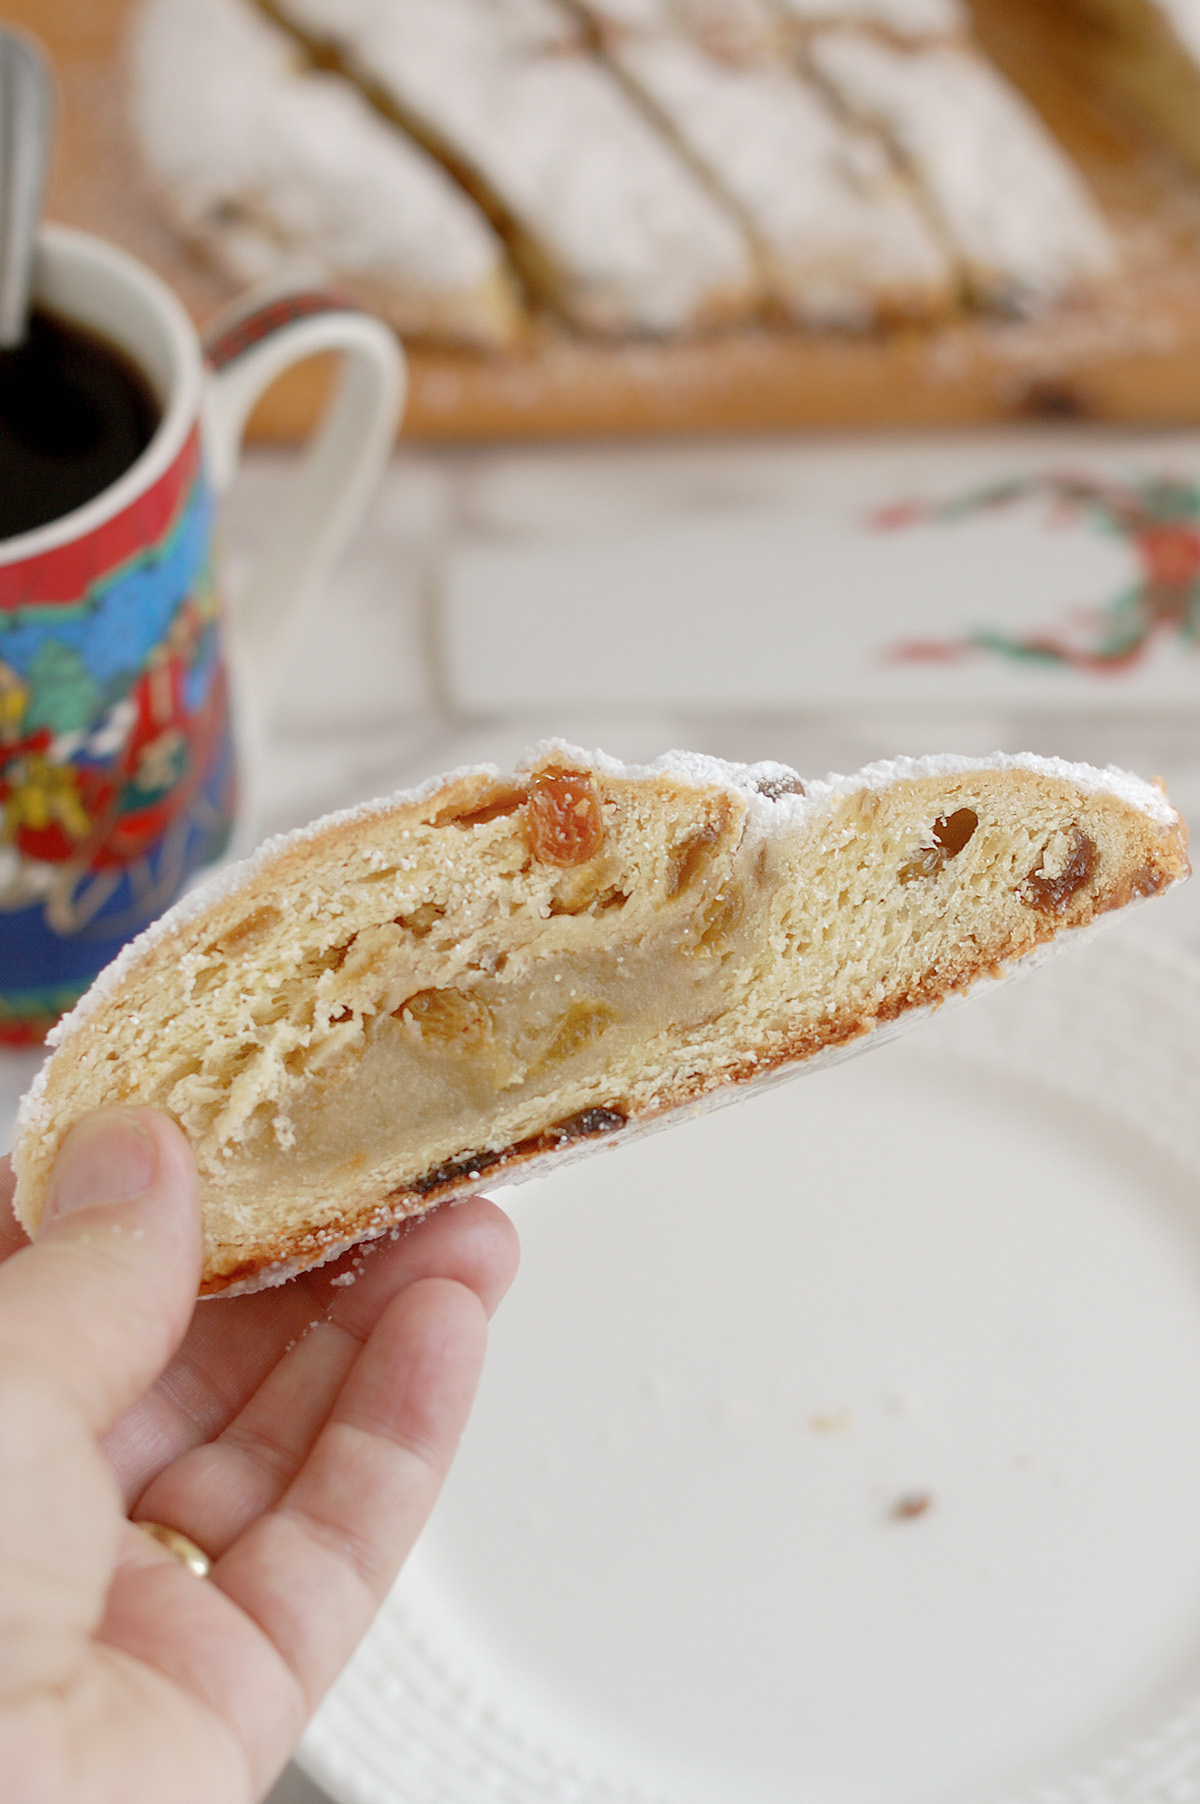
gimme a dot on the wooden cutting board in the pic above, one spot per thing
(1133, 356)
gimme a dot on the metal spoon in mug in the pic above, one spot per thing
(26, 125)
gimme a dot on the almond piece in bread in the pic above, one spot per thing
(401, 1003)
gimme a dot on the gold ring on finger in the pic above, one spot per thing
(185, 1551)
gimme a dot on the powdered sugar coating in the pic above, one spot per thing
(1147, 798)
(907, 18)
(279, 168)
(1009, 201)
(700, 770)
(745, 24)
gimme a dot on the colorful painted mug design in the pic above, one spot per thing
(118, 775)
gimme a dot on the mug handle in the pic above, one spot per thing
(340, 470)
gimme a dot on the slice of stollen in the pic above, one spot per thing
(282, 172)
(842, 239)
(454, 987)
(1010, 204)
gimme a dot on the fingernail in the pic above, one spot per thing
(105, 1159)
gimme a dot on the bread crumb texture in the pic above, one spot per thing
(398, 1004)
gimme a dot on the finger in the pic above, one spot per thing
(101, 1299)
(313, 1571)
(234, 1345)
(59, 1523)
(216, 1692)
(213, 1492)
(287, 1604)
(12, 1235)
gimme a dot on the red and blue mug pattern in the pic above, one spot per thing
(117, 765)
(116, 757)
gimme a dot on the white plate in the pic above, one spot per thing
(841, 1446)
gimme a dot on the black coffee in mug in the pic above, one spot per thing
(75, 412)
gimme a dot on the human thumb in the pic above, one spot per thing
(103, 1296)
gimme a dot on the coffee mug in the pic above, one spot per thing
(118, 775)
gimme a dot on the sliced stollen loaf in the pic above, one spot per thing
(400, 1003)
(911, 19)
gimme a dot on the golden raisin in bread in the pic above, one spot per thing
(397, 1004)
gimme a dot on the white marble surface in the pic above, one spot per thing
(361, 709)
